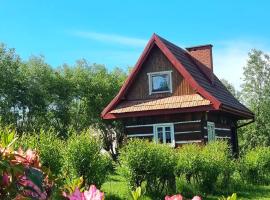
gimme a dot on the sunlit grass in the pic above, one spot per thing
(116, 188)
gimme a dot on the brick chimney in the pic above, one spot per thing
(203, 57)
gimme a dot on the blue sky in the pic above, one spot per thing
(115, 32)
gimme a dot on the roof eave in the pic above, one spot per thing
(241, 113)
(158, 112)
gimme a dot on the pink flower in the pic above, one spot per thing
(77, 195)
(5, 179)
(196, 198)
(93, 194)
(33, 191)
(29, 158)
(174, 197)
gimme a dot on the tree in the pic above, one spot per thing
(231, 88)
(33, 95)
(256, 95)
(11, 86)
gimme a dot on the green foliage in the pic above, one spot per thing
(72, 184)
(35, 95)
(255, 165)
(137, 194)
(208, 167)
(49, 147)
(146, 161)
(21, 174)
(256, 95)
(83, 157)
(231, 89)
(233, 197)
(7, 137)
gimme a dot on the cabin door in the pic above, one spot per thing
(211, 131)
(164, 133)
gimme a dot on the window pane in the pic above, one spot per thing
(160, 134)
(168, 137)
(168, 128)
(160, 82)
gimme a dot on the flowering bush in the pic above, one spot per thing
(92, 194)
(49, 146)
(20, 172)
(179, 197)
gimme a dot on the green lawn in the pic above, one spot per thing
(116, 189)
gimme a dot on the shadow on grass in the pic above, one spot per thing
(253, 192)
(112, 197)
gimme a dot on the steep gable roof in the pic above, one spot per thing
(195, 74)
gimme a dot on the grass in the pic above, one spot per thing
(116, 188)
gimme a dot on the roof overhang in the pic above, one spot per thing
(239, 113)
(158, 112)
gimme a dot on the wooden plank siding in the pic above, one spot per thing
(157, 62)
(162, 119)
(188, 128)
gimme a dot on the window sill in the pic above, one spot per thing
(168, 91)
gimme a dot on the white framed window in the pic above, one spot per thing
(160, 82)
(164, 133)
(211, 131)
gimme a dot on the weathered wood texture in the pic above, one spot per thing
(195, 128)
(157, 62)
(140, 130)
(162, 119)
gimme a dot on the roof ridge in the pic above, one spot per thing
(191, 58)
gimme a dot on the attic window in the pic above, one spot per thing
(160, 82)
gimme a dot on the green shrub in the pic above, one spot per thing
(207, 166)
(187, 189)
(217, 166)
(49, 147)
(146, 161)
(83, 157)
(255, 166)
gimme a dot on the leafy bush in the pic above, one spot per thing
(83, 157)
(49, 147)
(146, 161)
(21, 175)
(255, 165)
(217, 165)
(206, 166)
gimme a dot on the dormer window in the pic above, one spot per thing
(160, 82)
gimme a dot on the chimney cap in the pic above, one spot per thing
(194, 48)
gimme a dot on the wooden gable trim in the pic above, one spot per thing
(175, 62)
(130, 78)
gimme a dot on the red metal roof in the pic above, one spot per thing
(216, 92)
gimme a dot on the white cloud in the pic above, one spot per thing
(111, 38)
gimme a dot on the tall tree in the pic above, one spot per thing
(11, 86)
(256, 94)
(231, 88)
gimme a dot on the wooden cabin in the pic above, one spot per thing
(172, 96)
